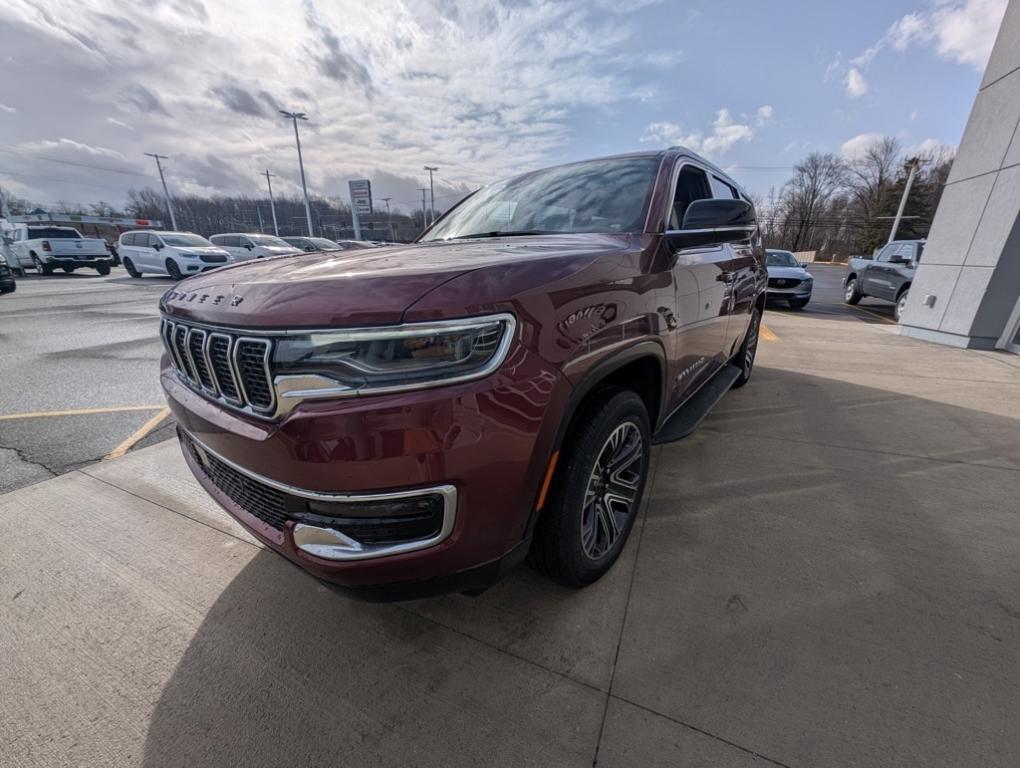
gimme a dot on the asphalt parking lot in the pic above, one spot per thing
(79, 376)
(824, 574)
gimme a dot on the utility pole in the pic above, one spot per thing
(166, 192)
(912, 164)
(432, 192)
(424, 216)
(272, 205)
(294, 117)
(389, 219)
(258, 211)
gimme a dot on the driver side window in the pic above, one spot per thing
(691, 185)
(887, 252)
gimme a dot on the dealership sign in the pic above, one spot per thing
(361, 196)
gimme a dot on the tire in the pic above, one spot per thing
(68, 270)
(103, 269)
(748, 350)
(578, 536)
(799, 303)
(42, 269)
(130, 267)
(901, 303)
(173, 270)
(12, 289)
(851, 295)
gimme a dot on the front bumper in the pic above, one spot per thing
(487, 440)
(787, 293)
(79, 261)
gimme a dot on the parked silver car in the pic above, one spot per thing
(789, 281)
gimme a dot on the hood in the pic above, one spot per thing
(202, 249)
(354, 288)
(793, 273)
(282, 249)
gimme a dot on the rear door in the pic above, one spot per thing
(875, 277)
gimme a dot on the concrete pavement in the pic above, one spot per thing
(824, 574)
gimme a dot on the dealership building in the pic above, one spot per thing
(966, 292)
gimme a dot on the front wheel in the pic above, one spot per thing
(596, 490)
(173, 270)
(851, 295)
(42, 269)
(901, 304)
(103, 269)
(130, 267)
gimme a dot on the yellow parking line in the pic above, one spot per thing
(141, 432)
(767, 334)
(79, 412)
(883, 318)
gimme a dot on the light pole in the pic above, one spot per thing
(272, 205)
(432, 193)
(912, 164)
(166, 192)
(294, 117)
(424, 216)
(389, 219)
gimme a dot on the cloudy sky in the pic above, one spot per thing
(481, 88)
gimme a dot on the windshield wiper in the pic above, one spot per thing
(517, 233)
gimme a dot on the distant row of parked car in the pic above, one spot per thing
(47, 248)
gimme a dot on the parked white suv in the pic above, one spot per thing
(243, 247)
(177, 254)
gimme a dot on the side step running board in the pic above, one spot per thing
(698, 406)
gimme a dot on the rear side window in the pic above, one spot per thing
(52, 233)
(691, 185)
(720, 189)
(230, 241)
(217, 240)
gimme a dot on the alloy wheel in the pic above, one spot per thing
(612, 490)
(851, 288)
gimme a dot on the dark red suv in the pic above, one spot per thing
(416, 419)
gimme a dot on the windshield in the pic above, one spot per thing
(324, 245)
(52, 233)
(780, 259)
(275, 242)
(598, 196)
(185, 240)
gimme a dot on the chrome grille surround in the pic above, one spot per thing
(202, 362)
(269, 396)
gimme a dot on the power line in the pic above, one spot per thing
(75, 163)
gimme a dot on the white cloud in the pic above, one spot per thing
(930, 148)
(726, 132)
(856, 85)
(481, 88)
(963, 31)
(765, 114)
(855, 147)
(5, 108)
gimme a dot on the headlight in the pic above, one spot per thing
(399, 357)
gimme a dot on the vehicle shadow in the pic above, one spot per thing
(282, 671)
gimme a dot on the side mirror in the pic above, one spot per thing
(8, 239)
(249, 246)
(158, 246)
(713, 222)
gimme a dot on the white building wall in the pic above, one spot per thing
(971, 265)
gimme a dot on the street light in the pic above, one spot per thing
(389, 219)
(166, 192)
(294, 117)
(272, 204)
(432, 193)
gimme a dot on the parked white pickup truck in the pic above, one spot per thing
(45, 248)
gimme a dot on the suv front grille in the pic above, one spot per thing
(784, 282)
(227, 366)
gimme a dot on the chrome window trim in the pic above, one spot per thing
(330, 544)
